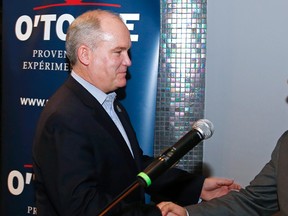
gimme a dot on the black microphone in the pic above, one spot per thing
(201, 129)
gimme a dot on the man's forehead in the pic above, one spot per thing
(106, 36)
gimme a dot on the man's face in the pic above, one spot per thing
(110, 59)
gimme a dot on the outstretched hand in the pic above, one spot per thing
(171, 209)
(215, 187)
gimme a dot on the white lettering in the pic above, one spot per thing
(45, 66)
(25, 25)
(15, 176)
(59, 25)
(49, 53)
(31, 210)
(47, 24)
(19, 25)
(32, 102)
(134, 17)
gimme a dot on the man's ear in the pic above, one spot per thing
(84, 54)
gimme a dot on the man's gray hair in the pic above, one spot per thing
(85, 29)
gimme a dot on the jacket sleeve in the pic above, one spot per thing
(258, 198)
(178, 186)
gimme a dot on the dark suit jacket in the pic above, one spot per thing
(81, 161)
(266, 194)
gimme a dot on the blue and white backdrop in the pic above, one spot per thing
(35, 65)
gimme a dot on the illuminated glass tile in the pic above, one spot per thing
(181, 78)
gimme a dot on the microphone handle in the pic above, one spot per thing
(169, 157)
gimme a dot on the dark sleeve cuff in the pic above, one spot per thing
(177, 186)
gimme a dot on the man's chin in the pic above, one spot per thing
(122, 83)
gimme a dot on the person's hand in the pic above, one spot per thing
(171, 209)
(216, 187)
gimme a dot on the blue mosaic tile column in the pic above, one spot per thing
(181, 78)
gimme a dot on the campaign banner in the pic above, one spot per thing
(35, 65)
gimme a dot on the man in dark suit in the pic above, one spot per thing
(267, 194)
(86, 152)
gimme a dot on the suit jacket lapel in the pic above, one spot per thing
(123, 116)
(101, 116)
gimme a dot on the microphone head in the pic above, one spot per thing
(204, 127)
